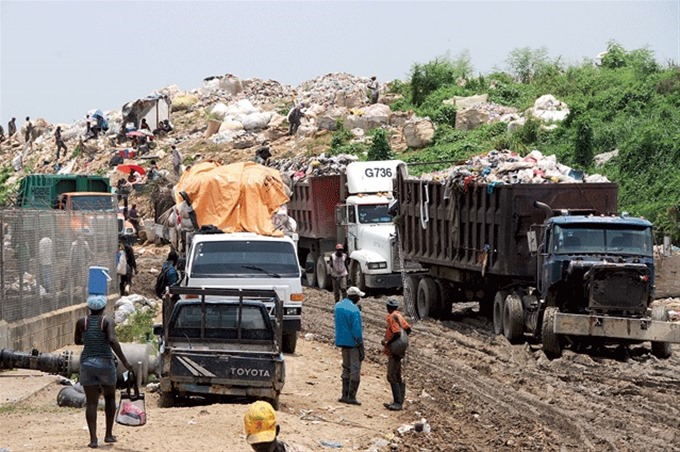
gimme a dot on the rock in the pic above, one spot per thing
(418, 132)
(328, 119)
(466, 102)
(399, 118)
(351, 99)
(368, 118)
(230, 125)
(471, 118)
(548, 108)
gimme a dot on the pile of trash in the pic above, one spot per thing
(301, 166)
(128, 305)
(508, 167)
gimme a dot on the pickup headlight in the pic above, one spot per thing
(377, 265)
(291, 311)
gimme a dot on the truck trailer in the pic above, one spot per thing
(350, 209)
(553, 261)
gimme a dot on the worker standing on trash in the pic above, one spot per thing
(349, 337)
(177, 160)
(395, 343)
(375, 90)
(59, 141)
(11, 128)
(294, 117)
(338, 272)
(28, 132)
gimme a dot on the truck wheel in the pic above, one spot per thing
(167, 400)
(444, 303)
(552, 345)
(358, 278)
(661, 350)
(310, 269)
(274, 402)
(513, 319)
(410, 293)
(323, 282)
(427, 297)
(498, 308)
(289, 342)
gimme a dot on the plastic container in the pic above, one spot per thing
(98, 281)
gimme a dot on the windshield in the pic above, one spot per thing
(257, 259)
(221, 322)
(602, 239)
(93, 202)
(374, 213)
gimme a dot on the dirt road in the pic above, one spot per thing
(477, 391)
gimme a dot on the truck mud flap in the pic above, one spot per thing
(617, 327)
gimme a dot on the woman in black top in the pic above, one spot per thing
(98, 365)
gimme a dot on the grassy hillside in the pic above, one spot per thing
(630, 103)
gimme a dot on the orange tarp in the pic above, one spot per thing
(240, 197)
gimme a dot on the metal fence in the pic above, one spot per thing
(46, 255)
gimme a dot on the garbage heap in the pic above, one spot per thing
(507, 167)
(303, 166)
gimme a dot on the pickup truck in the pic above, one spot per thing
(222, 343)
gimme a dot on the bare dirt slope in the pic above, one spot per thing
(476, 390)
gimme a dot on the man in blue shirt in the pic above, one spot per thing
(349, 337)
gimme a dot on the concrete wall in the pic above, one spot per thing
(46, 332)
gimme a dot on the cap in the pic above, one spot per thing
(355, 291)
(96, 302)
(392, 303)
(260, 423)
(339, 246)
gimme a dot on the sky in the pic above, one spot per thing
(60, 59)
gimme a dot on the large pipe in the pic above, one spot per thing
(545, 208)
(141, 357)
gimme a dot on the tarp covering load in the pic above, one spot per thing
(240, 197)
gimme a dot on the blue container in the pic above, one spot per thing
(98, 281)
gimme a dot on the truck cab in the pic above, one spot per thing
(367, 227)
(220, 342)
(250, 261)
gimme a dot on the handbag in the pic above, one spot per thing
(131, 409)
(398, 347)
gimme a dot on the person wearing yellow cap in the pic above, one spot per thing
(262, 430)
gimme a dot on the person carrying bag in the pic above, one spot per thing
(132, 407)
(395, 343)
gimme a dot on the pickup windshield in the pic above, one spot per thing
(599, 239)
(220, 322)
(257, 259)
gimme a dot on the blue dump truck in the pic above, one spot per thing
(552, 261)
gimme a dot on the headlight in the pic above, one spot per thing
(291, 311)
(377, 265)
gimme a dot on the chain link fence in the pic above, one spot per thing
(46, 255)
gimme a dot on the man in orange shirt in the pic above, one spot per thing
(395, 348)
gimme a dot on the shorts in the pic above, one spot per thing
(98, 371)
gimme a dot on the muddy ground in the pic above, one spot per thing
(476, 390)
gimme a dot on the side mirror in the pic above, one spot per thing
(158, 329)
(533, 244)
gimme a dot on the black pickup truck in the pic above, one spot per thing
(226, 345)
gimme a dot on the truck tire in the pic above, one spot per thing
(513, 319)
(498, 308)
(166, 400)
(310, 269)
(411, 294)
(427, 297)
(661, 350)
(444, 303)
(323, 282)
(274, 402)
(357, 276)
(552, 344)
(289, 342)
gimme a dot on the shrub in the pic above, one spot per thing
(380, 148)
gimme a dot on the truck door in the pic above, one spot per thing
(542, 270)
(347, 226)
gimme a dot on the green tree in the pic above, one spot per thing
(525, 62)
(380, 148)
(583, 145)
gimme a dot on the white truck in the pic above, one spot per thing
(351, 209)
(244, 260)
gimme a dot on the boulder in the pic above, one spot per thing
(328, 119)
(418, 132)
(231, 84)
(370, 117)
(548, 108)
(399, 118)
(350, 99)
(471, 118)
(389, 98)
(466, 102)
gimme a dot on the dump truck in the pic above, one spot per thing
(351, 209)
(553, 261)
(73, 193)
(220, 342)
